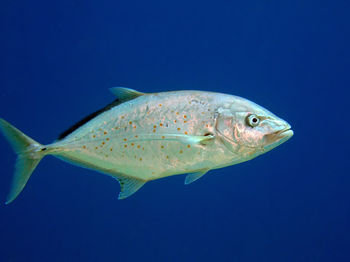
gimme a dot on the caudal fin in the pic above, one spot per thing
(29, 153)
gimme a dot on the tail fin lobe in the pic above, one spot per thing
(29, 154)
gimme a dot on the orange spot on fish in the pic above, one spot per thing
(163, 137)
(160, 124)
(186, 133)
(103, 143)
(160, 104)
(175, 121)
(178, 129)
(84, 147)
(181, 151)
(107, 138)
(134, 127)
(177, 113)
(185, 116)
(125, 146)
(188, 146)
(105, 132)
(154, 130)
(185, 121)
(132, 144)
(136, 136)
(138, 146)
(94, 136)
(125, 139)
(154, 126)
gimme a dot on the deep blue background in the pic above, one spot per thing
(58, 59)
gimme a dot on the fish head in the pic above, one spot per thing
(250, 130)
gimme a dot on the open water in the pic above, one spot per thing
(57, 61)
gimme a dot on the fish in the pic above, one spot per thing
(141, 137)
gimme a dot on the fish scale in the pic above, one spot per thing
(142, 137)
(125, 130)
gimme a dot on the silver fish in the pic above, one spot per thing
(142, 137)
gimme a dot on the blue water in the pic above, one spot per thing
(58, 59)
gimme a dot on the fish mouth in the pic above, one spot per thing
(276, 138)
(285, 132)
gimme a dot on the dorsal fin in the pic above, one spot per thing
(123, 94)
(88, 118)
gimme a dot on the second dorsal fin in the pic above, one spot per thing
(125, 94)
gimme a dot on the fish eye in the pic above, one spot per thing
(253, 120)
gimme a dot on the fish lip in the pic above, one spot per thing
(276, 138)
(287, 131)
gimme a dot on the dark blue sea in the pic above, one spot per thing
(57, 61)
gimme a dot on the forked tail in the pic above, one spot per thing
(29, 153)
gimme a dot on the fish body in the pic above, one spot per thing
(144, 137)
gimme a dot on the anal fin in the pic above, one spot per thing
(128, 185)
(195, 176)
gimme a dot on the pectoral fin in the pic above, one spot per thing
(185, 139)
(128, 185)
(194, 176)
(195, 139)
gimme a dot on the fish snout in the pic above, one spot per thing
(281, 133)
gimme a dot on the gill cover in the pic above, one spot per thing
(225, 123)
